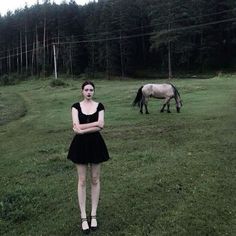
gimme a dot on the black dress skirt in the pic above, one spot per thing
(89, 147)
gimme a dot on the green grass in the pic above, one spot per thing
(170, 174)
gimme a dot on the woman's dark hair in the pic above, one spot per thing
(88, 83)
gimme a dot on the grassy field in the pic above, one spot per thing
(170, 174)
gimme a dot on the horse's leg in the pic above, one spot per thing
(141, 106)
(163, 107)
(145, 104)
(168, 107)
(165, 103)
(146, 108)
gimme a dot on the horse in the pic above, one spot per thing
(160, 91)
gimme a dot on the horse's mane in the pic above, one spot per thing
(175, 90)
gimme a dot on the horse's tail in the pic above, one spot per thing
(176, 93)
(138, 98)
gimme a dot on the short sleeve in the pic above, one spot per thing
(100, 107)
(76, 106)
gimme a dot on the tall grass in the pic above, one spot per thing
(170, 174)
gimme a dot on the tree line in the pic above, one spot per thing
(119, 37)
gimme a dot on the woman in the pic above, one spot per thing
(88, 148)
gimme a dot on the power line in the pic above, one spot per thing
(148, 34)
(144, 27)
(196, 26)
(149, 26)
(132, 36)
(115, 31)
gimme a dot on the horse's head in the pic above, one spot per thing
(179, 104)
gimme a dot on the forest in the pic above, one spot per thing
(119, 38)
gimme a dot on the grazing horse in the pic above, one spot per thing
(160, 91)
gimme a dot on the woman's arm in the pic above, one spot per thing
(99, 124)
(86, 128)
(75, 120)
(101, 119)
(89, 125)
(76, 123)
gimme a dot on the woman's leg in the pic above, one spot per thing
(81, 171)
(95, 190)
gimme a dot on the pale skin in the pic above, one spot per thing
(88, 107)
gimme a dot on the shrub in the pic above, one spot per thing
(57, 83)
(7, 80)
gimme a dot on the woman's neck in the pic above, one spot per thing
(88, 101)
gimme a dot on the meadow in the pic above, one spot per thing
(169, 174)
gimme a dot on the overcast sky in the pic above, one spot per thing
(12, 5)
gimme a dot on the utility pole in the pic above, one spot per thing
(26, 51)
(55, 60)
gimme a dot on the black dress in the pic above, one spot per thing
(89, 147)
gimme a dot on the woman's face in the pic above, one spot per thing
(88, 92)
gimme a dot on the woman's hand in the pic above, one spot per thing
(77, 129)
(100, 124)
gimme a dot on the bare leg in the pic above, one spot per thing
(81, 171)
(95, 191)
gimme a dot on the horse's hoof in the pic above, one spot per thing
(161, 111)
(147, 113)
(168, 111)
